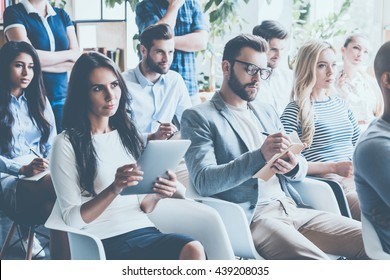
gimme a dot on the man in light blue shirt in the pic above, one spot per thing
(159, 95)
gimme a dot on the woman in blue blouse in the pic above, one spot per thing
(52, 34)
(27, 129)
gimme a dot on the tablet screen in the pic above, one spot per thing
(158, 157)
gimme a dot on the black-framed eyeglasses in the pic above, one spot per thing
(252, 70)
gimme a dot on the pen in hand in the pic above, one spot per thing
(265, 133)
(35, 153)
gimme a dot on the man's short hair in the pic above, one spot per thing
(233, 47)
(161, 31)
(270, 29)
(382, 61)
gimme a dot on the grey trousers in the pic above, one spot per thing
(281, 230)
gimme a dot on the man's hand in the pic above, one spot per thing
(165, 131)
(275, 143)
(285, 164)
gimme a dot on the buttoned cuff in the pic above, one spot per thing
(292, 173)
(14, 168)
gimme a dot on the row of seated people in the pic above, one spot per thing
(86, 198)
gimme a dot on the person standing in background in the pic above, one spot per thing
(355, 85)
(277, 89)
(52, 34)
(186, 19)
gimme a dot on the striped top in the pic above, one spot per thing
(336, 130)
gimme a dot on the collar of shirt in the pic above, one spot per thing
(19, 100)
(30, 9)
(142, 79)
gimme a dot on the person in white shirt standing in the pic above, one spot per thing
(277, 89)
(159, 95)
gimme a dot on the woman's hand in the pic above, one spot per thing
(37, 165)
(163, 188)
(166, 187)
(344, 168)
(126, 176)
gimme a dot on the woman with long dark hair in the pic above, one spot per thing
(27, 129)
(93, 160)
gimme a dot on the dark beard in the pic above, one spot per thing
(239, 89)
(154, 66)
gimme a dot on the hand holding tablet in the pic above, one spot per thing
(158, 157)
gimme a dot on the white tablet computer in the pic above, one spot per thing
(158, 157)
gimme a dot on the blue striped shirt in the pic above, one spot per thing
(336, 130)
(189, 19)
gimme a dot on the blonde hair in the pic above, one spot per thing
(304, 82)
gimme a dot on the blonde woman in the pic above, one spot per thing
(322, 120)
(355, 85)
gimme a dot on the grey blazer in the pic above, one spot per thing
(219, 161)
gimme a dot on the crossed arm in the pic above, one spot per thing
(54, 62)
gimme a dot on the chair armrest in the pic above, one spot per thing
(83, 245)
(236, 225)
(317, 194)
(196, 220)
(339, 194)
(372, 244)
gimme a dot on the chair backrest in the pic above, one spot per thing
(340, 196)
(83, 246)
(318, 194)
(371, 241)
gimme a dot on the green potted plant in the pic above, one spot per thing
(325, 28)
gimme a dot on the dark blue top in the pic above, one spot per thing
(189, 19)
(55, 83)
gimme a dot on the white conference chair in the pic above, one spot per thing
(83, 246)
(170, 215)
(371, 241)
(339, 194)
(315, 193)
